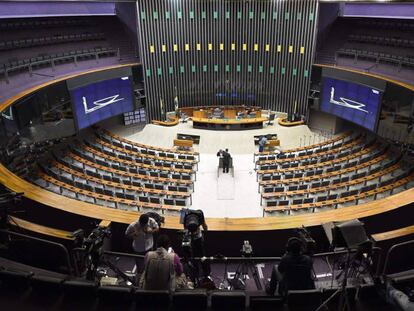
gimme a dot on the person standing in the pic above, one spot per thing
(262, 143)
(161, 267)
(226, 161)
(142, 232)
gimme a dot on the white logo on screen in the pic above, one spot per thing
(345, 102)
(101, 103)
(8, 116)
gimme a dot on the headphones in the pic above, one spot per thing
(290, 244)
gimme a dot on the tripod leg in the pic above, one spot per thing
(256, 276)
(325, 303)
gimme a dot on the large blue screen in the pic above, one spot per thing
(353, 102)
(101, 100)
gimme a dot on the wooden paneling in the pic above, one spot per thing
(209, 52)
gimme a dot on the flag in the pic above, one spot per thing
(162, 108)
(176, 102)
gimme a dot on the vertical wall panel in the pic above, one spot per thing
(226, 74)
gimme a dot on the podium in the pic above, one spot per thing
(220, 167)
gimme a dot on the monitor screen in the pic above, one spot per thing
(100, 100)
(353, 102)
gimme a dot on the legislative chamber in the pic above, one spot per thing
(188, 155)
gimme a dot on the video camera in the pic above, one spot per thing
(247, 249)
(95, 239)
(309, 244)
(193, 219)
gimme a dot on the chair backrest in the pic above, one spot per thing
(14, 280)
(304, 299)
(265, 303)
(154, 299)
(190, 300)
(47, 284)
(116, 294)
(233, 300)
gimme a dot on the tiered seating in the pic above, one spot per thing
(31, 44)
(352, 170)
(105, 134)
(381, 41)
(104, 173)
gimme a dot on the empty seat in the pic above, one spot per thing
(265, 303)
(152, 299)
(15, 280)
(232, 300)
(47, 284)
(189, 300)
(143, 199)
(304, 299)
(114, 294)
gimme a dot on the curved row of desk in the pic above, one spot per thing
(59, 202)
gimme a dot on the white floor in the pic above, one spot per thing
(224, 196)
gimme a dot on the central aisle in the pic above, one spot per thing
(207, 196)
(238, 197)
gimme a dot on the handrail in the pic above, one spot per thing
(392, 248)
(58, 245)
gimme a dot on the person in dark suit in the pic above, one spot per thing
(294, 272)
(226, 160)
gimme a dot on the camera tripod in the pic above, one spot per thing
(242, 272)
(352, 264)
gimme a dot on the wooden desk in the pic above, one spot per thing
(397, 233)
(229, 111)
(285, 122)
(52, 232)
(271, 144)
(228, 124)
(183, 143)
(170, 122)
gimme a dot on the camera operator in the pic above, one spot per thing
(142, 232)
(194, 222)
(294, 272)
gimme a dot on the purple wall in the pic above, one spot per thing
(397, 10)
(39, 9)
(127, 14)
(328, 12)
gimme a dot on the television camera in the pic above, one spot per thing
(91, 249)
(192, 220)
(309, 244)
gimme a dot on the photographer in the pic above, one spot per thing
(194, 222)
(162, 267)
(142, 232)
(294, 271)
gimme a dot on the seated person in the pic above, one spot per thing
(240, 115)
(294, 272)
(161, 267)
(217, 113)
